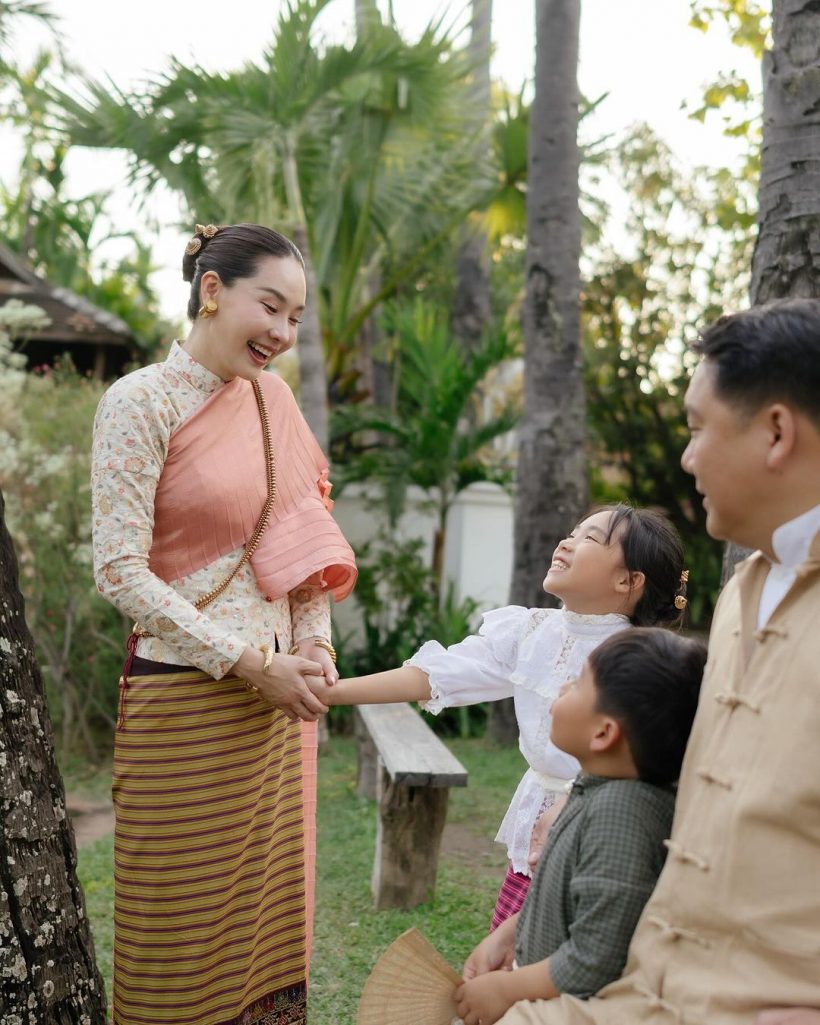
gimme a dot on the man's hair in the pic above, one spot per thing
(649, 680)
(767, 354)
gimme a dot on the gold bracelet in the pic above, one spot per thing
(320, 642)
(268, 652)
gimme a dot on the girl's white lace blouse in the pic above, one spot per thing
(526, 654)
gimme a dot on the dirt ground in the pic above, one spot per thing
(473, 851)
(90, 821)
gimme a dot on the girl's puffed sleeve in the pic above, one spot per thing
(478, 668)
(131, 433)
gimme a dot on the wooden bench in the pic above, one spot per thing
(405, 766)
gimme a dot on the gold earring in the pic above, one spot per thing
(208, 309)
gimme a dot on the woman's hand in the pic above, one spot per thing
(308, 648)
(284, 685)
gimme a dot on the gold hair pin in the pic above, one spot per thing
(206, 231)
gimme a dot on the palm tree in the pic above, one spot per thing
(354, 148)
(431, 440)
(552, 484)
(10, 13)
(471, 302)
(786, 260)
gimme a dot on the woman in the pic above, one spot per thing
(212, 531)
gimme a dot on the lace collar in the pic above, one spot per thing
(586, 625)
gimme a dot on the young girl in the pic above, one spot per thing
(619, 567)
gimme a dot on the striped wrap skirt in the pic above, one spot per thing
(214, 793)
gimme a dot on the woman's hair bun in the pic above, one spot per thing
(202, 235)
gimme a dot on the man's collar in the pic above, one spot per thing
(793, 541)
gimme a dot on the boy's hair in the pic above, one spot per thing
(767, 354)
(649, 680)
(652, 546)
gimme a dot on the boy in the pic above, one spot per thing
(627, 720)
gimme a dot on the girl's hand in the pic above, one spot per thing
(541, 831)
(484, 1000)
(308, 648)
(284, 685)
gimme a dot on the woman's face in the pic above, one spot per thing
(257, 319)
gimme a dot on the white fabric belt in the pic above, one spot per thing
(563, 786)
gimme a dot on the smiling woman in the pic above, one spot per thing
(212, 529)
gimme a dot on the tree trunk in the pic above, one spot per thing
(312, 372)
(367, 15)
(786, 261)
(47, 969)
(552, 479)
(471, 301)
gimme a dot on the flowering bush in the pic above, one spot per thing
(45, 441)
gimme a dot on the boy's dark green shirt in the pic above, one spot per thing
(603, 858)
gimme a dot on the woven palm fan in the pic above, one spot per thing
(411, 984)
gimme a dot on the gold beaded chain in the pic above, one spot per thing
(259, 529)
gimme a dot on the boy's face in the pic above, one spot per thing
(575, 717)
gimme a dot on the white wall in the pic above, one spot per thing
(478, 550)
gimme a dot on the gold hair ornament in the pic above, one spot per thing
(680, 602)
(207, 231)
(684, 577)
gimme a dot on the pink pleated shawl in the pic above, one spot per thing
(213, 487)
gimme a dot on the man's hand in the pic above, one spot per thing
(484, 1000)
(789, 1016)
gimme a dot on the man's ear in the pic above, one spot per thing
(607, 735)
(781, 428)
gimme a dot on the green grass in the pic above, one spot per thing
(349, 933)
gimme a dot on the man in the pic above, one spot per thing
(731, 935)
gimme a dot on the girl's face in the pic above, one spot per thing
(257, 319)
(589, 575)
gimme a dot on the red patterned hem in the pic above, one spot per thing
(286, 1007)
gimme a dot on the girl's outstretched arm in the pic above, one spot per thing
(405, 684)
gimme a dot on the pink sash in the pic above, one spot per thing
(213, 487)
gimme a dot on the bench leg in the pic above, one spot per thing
(367, 762)
(411, 821)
